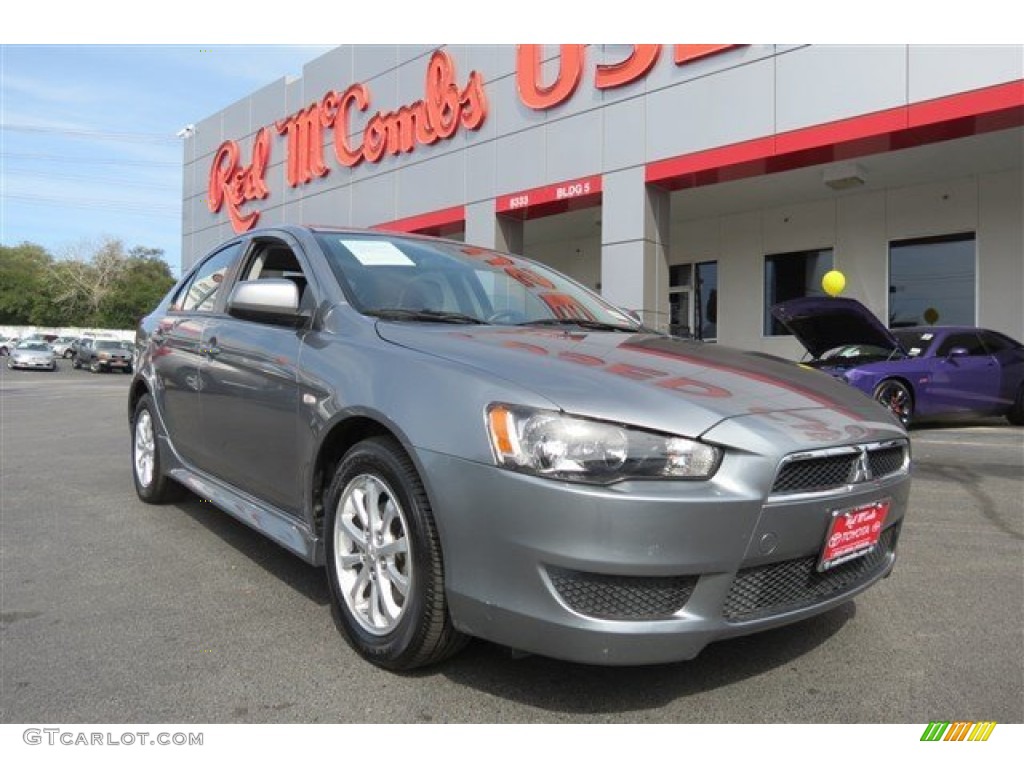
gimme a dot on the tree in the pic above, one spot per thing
(86, 280)
(143, 280)
(94, 285)
(23, 271)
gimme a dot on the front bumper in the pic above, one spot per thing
(39, 365)
(640, 572)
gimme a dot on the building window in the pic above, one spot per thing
(680, 292)
(705, 310)
(791, 276)
(932, 281)
(693, 300)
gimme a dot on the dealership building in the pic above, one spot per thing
(696, 184)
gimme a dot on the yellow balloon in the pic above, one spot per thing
(833, 282)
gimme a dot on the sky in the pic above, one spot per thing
(90, 110)
(89, 145)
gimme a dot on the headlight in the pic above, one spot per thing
(551, 444)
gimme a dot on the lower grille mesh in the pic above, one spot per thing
(622, 597)
(792, 584)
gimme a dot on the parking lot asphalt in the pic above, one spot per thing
(114, 611)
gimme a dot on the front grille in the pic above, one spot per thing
(631, 598)
(770, 589)
(886, 461)
(816, 474)
(832, 469)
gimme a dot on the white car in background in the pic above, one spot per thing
(7, 343)
(62, 346)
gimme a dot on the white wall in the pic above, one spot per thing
(579, 258)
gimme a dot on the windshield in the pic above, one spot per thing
(108, 345)
(398, 279)
(857, 352)
(35, 346)
(915, 342)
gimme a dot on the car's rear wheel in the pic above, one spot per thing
(151, 484)
(68, 353)
(897, 397)
(1016, 413)
(384, 563)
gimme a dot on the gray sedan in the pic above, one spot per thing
(473, 445)
(32, 355)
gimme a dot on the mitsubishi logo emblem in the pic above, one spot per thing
(862, 471)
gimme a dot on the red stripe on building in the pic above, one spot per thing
(438, 223)
(551, 199)
(995, 108)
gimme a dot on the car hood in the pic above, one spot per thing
(647, 380)
(43, 354)
(822, 323)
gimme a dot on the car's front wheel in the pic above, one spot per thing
(94, 367)
(384, 563)
(897, 397)
(151, 484)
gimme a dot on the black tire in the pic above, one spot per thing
(897, 397)
(68, 353)
(94, 367)
(1016, 413)
(159, 489)
(409, 630)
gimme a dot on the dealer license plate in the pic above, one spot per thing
(853, 533)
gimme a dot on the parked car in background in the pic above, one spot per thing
(62, 346)
(926, 372)
(36, 355)
(102, 355)
(7, 343)
(475, 445)
(46, 338)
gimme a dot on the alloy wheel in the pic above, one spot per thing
(145, 449)
(372, 560)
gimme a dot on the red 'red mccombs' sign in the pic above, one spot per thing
(445, 107)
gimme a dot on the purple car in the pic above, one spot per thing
(918, 373)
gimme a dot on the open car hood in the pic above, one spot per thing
(822, 323)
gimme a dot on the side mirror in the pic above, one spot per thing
(957, 352)
(274, 299)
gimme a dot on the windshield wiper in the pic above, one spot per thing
(426, 315)
(590, 325)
